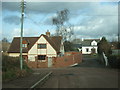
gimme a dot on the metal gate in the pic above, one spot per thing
(49, 61)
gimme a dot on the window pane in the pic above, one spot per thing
(24, 45)
(87, 49)
(41, 57)
(41, 45)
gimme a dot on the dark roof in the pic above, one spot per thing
(77, 45)
(15, 45)
(54, 41)
(87, 42)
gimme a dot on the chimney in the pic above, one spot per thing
(48, 33)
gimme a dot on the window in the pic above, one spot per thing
(24, 45)
(41, 57)
(41, 46)
(93, 44)
(87, 49)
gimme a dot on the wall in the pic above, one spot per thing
(65, 61)
(34, 51)
(35, 64)
(16, 54)
(94, 43)
(89, 52)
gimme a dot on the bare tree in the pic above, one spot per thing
(61, 21)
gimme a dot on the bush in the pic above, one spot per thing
(11, 68)
(114, 61)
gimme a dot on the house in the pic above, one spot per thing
(37, 48)
(89, 46)
(43, 51)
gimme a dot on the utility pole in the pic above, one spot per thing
(21, 38)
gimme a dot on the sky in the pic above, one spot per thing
(89, 19)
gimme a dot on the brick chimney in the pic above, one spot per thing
(48, 33)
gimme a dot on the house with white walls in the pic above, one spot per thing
(89, 46)
(37, 48)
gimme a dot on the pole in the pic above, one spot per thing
(22, 19)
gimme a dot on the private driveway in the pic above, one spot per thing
(90, 61)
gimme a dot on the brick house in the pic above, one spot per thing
(38, 48)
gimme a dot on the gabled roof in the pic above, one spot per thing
(87, 42)
(77, 45)
(54, 41)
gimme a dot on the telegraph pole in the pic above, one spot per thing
(21, 38)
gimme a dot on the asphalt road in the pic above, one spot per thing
(88, 74)
(81, 77)
(90, 61)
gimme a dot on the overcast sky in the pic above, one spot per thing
(90, 19)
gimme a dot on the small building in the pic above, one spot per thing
(89, 46)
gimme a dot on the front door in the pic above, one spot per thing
(93, 51)
(49, 61)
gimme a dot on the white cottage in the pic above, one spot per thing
(37, 47)
(89, 46)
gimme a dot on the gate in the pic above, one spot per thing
(49, 61)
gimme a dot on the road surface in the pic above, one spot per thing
(88, 74)
(81, 77)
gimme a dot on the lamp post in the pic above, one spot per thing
(21, 38)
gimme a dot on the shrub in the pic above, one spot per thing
(11, 68)
(114, 61)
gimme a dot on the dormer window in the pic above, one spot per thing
(93, 44)
(24, 45)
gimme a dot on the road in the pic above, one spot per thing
(89, 74)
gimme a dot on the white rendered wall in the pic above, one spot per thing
(94, 43)
(34, 51)
(16, 54)
(89, 47)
